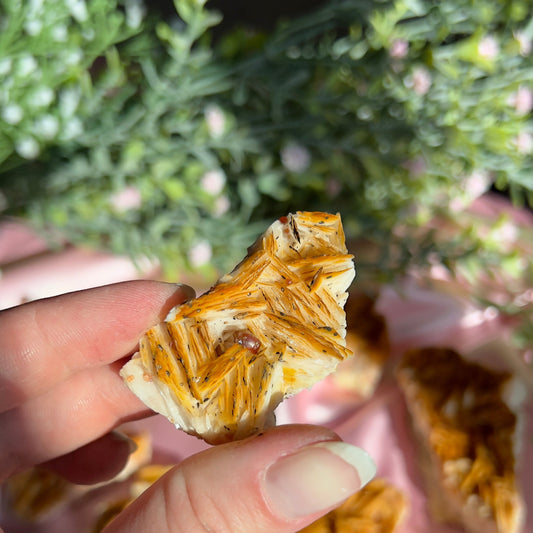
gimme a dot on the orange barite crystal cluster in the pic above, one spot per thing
(221, 363)
(467, 433)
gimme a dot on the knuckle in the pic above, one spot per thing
(189, 508)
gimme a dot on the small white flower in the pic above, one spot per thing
(28, 148)
(222, 205)
(399, 49)
(73, 57)
(524, 143)
(213, 182)
(135, 12)
(42, 97)
(33, 27)
(12, 114)
(215, 119)
(47, 127)
(26, 65)
(200, 254)
(60, 33)
(5, 66)
(420, 81)
(522, 100)
(73, 127)
(126, 199)
(524, 42)
(69, 100)
(78, 9)
(488, 48)
(295, 157)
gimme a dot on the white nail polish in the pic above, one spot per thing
(316, 478)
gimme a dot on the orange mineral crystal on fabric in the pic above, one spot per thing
(466, 429)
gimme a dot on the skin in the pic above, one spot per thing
(61, 397)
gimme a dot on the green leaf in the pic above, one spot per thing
(6, 148)
(248, 193)
(272, 185)
(174, 189)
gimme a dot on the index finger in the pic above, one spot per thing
(44, 342)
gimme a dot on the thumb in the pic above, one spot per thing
(279, 481)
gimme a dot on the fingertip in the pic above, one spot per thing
(186, 290)
(96, 462)
(179, 294)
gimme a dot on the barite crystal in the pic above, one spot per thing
(219, 364)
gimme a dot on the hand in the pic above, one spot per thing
(61, 396)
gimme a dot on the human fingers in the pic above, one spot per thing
(77, 411)
(100, 460)
(279, 481)
(44, 342)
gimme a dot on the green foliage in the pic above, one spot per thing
(47, 61)
(151, 138)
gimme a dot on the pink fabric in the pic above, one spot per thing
(29, 271)
(17, 242)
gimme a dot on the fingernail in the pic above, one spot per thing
(121, 437)
(316, 478)
(188, 291)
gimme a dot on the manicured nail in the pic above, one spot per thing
(316, 478)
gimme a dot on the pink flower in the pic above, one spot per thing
(524, 143)
(213, 181)
(420, 81)
(295, 157)
(472, 187)
(522, 100)
(126, 199)
(216, 121)
(222, 205)
(488, 48)
(477, 183)
(416, 167)
(200, 254)
(399, 49)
